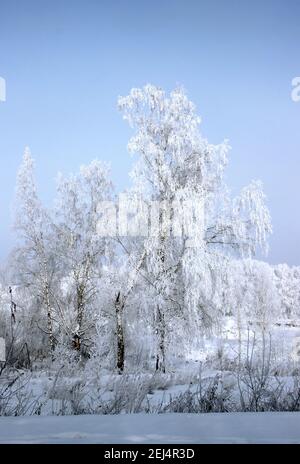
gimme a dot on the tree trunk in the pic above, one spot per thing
(47, 301)
(49, 318)
(80, 308)
(119, 306)
(161, 335)
(160, 320)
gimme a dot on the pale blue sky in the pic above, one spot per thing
(65, 63)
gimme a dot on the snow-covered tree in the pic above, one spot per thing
(79, 249)
(168, 281)
(177, 165)
(288, 287)
(33, 257)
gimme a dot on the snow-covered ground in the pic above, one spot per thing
(153, 428)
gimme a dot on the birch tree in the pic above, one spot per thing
(176, 164)
(80, 249)
(34, 253)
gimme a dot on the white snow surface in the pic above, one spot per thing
(277, 427)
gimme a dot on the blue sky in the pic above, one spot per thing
(65, 63)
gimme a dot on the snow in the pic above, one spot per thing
(234, 428)
(186, 314)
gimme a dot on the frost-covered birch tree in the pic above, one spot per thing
(79, 249)
(175, 164)
(33, 256)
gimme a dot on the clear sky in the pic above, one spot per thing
(65, 63)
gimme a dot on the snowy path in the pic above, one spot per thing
(164, 428)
